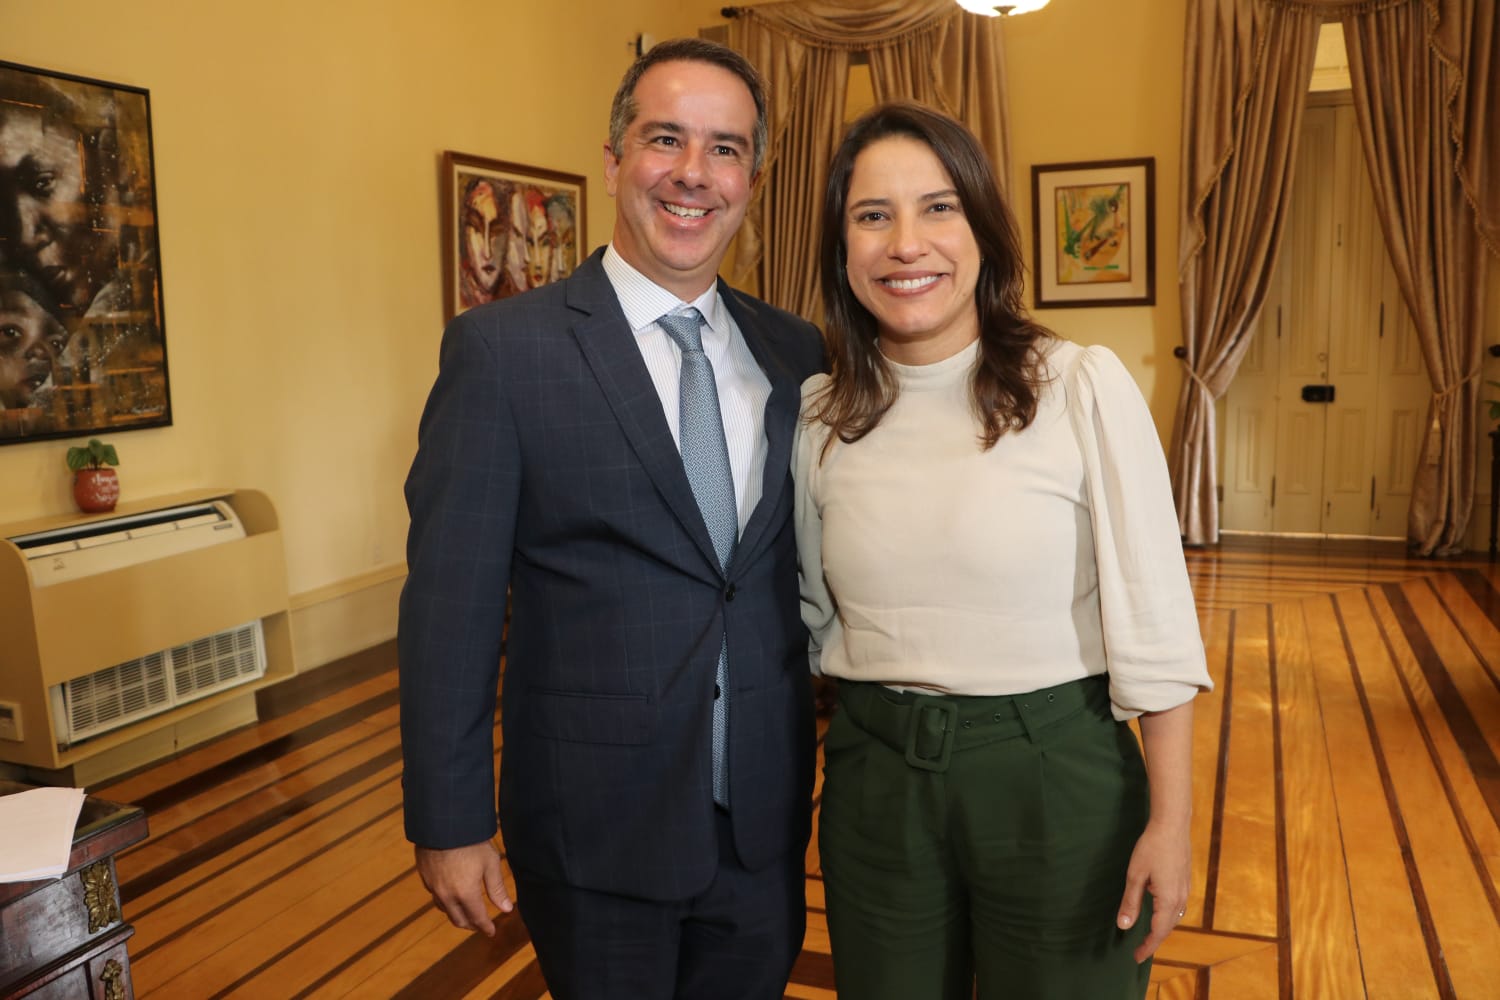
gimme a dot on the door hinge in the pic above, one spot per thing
(1220, 490)
(1372, 492)
(1382, 320)
(1278, 322)
(1273, 491)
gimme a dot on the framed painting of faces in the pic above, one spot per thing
(82, 339)
(507, 228)
(1092, 233)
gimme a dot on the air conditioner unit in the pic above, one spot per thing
(95, 703)
(93, 547)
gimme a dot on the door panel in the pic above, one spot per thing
(1307, 265)
(1402, 420)
(1250, 423)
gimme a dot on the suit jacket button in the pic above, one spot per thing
(729, 593)
(716, 692)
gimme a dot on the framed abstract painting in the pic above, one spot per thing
(1093, 233)
(507, 228)
(82, 335)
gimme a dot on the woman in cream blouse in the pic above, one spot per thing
(992, 570)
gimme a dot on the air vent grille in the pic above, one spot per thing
(127, 692)
(117, 695)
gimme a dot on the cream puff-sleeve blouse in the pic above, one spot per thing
(928, 563)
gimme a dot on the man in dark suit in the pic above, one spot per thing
(631, 487)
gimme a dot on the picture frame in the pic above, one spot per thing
(82, 328)
(507, 228)
(1093, 233)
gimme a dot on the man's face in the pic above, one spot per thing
(30, 341)
(48, 229)
(483, 235)
(681, 180)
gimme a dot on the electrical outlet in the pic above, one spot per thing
(10, 721)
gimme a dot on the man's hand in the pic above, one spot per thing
(460, 879)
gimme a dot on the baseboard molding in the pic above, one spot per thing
(341, 619)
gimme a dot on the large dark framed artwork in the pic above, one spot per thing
(1093, 240)
(507, 228)
(82, 336)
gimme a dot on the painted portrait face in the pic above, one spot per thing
(31, 339)
(539, 240)
(483, 236)
(564, 239)
(560, 216)
(48, 224)
(913, 261)
(515, 251)
(681, 178)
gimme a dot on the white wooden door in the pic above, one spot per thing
(1333, 318)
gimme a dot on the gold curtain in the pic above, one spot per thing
(1427, 88)
(924, 50)
(1245, 74)
(1425, 96)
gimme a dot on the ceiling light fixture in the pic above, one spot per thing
(991, 8)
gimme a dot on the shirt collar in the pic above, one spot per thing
(644, 301)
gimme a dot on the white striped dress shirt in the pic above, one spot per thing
(743, 387)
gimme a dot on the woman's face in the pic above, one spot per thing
(539, 241)
(913, 261)
(41, 162)
(30, 341)
(484, 235)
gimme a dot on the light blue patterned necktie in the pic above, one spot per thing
(705, 458)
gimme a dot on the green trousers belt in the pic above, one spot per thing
(929, 729)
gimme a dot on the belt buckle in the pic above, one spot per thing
(949, 710)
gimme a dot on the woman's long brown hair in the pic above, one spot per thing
(1009, 372)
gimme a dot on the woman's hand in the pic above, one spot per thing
(1161, 865)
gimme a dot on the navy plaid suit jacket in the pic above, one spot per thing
(545, 463)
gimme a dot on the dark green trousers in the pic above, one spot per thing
(981, 841)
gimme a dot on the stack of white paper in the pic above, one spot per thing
(36, 832)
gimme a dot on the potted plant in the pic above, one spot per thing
(95, 485)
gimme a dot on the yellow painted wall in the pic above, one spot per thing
(1102, 80)
(297, 148)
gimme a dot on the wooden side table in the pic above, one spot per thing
(66, 937)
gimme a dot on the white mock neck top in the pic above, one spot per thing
(929, 563)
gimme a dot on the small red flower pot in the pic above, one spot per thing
(96, 490)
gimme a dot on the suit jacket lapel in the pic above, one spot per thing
(781, 417)
(604, 336)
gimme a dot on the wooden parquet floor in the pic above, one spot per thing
(1346, 831)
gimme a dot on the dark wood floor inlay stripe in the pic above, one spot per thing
(1215, 843)
(1283, 893)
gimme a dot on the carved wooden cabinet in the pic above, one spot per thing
(65, 938)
